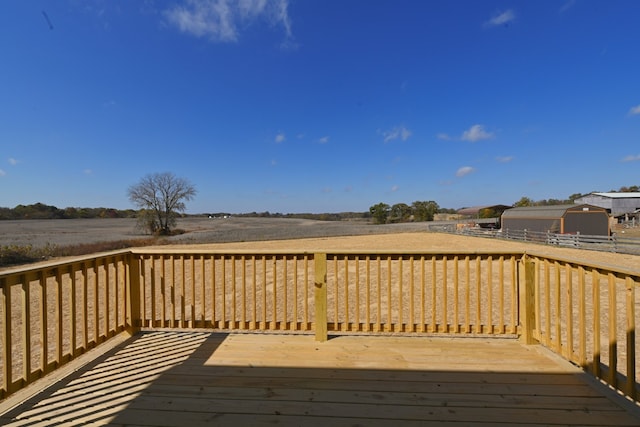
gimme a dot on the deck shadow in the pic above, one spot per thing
(201, 378)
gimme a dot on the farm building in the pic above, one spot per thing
(617, 204)
(491, 211)
(482, 216)
(569, 219)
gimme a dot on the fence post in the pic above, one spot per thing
(527, 300)
(320, 266)
(133, 291)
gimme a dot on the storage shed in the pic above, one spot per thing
(562, 219)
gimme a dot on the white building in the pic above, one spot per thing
(617, 204)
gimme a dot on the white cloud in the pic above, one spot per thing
(399, 132)
(444, 137)
(476, 133)
(12, 161)
(465, 170)
(503, 18)
(2, 173)
(204, 18)
(222, 20)
(567, 5)
(634, 110)
(323, 140)
(504, 159)
(395, 188)
(280, 138)
(632, 158)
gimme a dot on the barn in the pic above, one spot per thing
(483, 216)
(562, 219)
(617, 204)
(488, 211)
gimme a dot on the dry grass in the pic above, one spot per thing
(424, 241)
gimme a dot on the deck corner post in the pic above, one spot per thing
(320, 284)
(527, 300)
(133, 306)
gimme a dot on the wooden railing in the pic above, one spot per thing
(436, 293)
(238, 291)
(53, 313)
(453, 293)
(588, 314)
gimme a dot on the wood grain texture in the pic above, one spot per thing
(168, 378)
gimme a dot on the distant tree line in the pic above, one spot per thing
(382, 213)
(526, 201)
(42, 211)
(339, 216)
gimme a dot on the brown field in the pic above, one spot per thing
(402, 240)
(282, 233)
(65, 232)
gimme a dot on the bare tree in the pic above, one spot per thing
(160, 196)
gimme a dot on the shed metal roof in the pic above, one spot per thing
(553, 211)
(618, 195)
(474, 210)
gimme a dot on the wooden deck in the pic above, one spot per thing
(173, 378)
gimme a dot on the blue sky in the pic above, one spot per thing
(318, 105)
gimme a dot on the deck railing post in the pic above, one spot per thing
(133, 300)
(5, 337)
(320, 266)
(527, 300)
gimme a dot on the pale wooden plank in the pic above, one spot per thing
(387, 385)
(471, 379)
(363, 412)
(389, 353)
(235, 420)
(423, 398)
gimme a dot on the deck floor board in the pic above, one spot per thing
(168, 378)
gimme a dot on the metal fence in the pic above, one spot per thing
(614, 243)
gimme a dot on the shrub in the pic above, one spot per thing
(15, 255)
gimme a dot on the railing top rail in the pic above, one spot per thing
(47, 265)
(142, 251)
(348, 252)
(633, 272)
